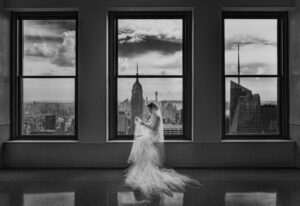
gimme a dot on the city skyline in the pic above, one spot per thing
(135, 105)
(48, 118)
(172, 88)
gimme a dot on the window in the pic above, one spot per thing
(254, 74)
(44, 75)
(150, 61)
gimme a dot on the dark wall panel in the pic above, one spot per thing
(229, 154)
(4, 78)
(294, 75)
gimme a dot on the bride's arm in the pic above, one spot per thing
(154, 124)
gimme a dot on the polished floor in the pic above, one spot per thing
(273, 187)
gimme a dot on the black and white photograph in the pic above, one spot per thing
(149, 103)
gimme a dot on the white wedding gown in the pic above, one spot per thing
(146, 173)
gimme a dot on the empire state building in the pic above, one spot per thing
(137, 101)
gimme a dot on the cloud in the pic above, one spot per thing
(122, 64)
(35, 65)
(39, 49)
(244, 40)
(149, 44)
(65, 56)
(48, 28)
(61, 54)
(39, 39)
(62, 24)
(152, 63)
(136, 30)
(148, 35)
(255, 68)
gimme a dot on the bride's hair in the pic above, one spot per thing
(152, 106)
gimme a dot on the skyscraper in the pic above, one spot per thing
(269, 118)
(122, 123)
(50, 122)
(236, 91)
(245, 111)
(137, 101)
(245, 115)
(238, 64)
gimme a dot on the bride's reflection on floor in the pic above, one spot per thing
(135, 198)
(106, 188)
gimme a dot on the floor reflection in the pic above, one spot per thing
(106, 188)
(130, 198)
(49, 199)
(251, 199)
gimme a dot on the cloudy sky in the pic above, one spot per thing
(155, 43)
(49, 49)
(258, 54)
(50, 90)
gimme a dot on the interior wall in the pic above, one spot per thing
(294, 76)
(4, 77)
(208, 149)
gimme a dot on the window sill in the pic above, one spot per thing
(166, 141)
(257, 140)
(41, 141)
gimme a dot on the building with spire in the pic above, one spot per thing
(238, 64)
(245, 107)
(245, 111)
(137, 101)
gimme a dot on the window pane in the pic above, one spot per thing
(252, 43)
(251, 106)
(156, 44)
(135, 94)
(49, 47)
(48, 107)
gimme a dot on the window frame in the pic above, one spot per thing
(282, 72)
(17, 73)
(186, 75)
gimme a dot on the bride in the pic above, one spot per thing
(146, 173)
